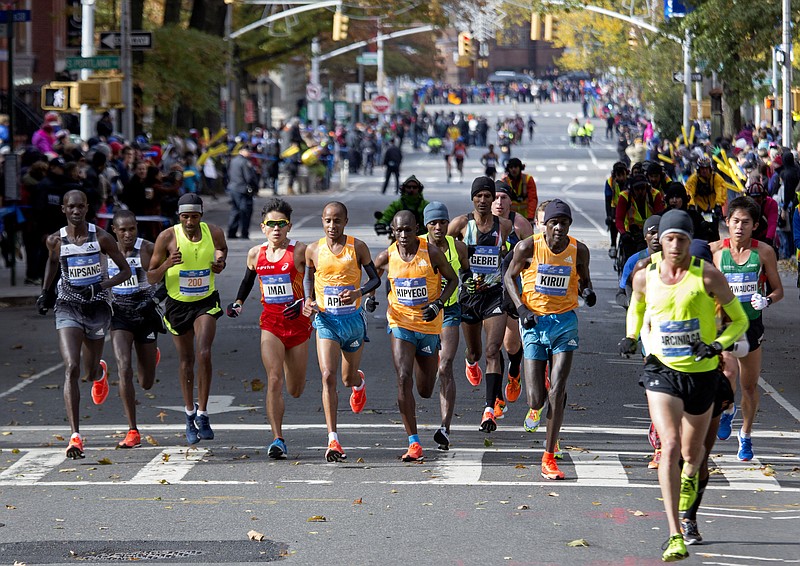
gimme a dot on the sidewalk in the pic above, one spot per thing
(20, 294)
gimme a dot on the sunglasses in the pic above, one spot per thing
(276, 223)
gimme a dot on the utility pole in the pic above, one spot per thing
(787, 74)
(87, 50)
(775, 111)
(230, 112)
(381, 79)
(127, 70)
(687, 82)
(313, 105)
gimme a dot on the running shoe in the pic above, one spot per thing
(745, 448)
(689, 486)
(558, 453)
(441, 438)
(499, 409)
(474, 373)
(690, 533)
(513, 388)
(203, 426)
(652, 436)
(414, 453)
(726, 424)
(550, 469)
(654, 463)
(192, 436)
(277, 450)
(532, 420)
(100, 387)
(674, 549)
(334, 453)
(359, 398)
(132, 440)
(488, 424)
(75, 447)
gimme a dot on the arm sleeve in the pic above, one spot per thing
(246, 285)
(374, 280)
(628, 269)
(738, 325)
(308, 282)
(635, 317)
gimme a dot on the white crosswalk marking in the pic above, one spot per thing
(600, 470)
(466, 469)
(170, 466)
(745, 475)
(32, 467)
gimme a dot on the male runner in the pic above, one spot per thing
(332, 288)
(746, 264)
(482, 297)
(188, 257)
(279, 264)
(460, 153)
(555, 270)
(82, 309)
(489, 161)
(437, 219)
(416, 301)
(136, 321)
(679, 295)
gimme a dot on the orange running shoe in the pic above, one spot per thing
(550, 469)
(474, 373)
(513, 388)
(100, 387)
(132, 440)
(488, 423)
(653, 464)
(334, 453)
(359, 398)
(499, 409)
(414, 453)
(75, 447)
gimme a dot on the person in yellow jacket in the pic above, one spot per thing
(706, 188)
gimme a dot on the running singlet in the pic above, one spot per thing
(483, 250)
(491, 160)
(136, 289)
(743, 279)
(451, 253)
(414, 284)
(679, 315)
(334, 274)
(279, 281)
(81, 266)
(192, 280)
(550, 284)
(513, 238)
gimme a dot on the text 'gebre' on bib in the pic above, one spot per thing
(277, 289)
(675, 337)
(411, 291)
(485, 259)
(84, 270)
(743, 285)
(553, 280)
(194, 282)
(333, 304)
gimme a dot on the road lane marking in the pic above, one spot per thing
(742, 475)
(604, 470)
(29, 380)
(33, 466)
(170, 465)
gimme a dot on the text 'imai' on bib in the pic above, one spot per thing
(127, 287)
(277, 289)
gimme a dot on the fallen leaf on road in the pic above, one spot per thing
(51, 386)
(165, 457)
(578, 542)
(16, 347)
(487, 443)
(639, 514)
(394, 491)
(553, 494)
(67, 470)
(163, 482)
(596, 503)
(256, 385)
(521, 467)
(358, 501)
(523, 507)
(427, 504)
(28, 403)
(151, 441)
(104, 462)
(58, 437)
(15, 450)
(316, 519)
(10, 507)
(6, 433)
(162, 415)
(150, 395)
(768, 470)
(255, 535)
(577, 448)
(360, 461)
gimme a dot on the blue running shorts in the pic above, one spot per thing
(554, 334)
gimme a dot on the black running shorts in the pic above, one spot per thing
(180, 316)
(697, 390)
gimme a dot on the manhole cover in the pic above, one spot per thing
(138, 555)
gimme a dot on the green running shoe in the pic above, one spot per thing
(689, 486)
(674, 549)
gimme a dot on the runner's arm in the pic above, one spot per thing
(523, 253)
(220, 249)
(162, 259)
(717, 286)
(533, 199)
(249, 278)
(440, 262)
(51, 270)
(109, 247)
(770, 263)
(635, 317)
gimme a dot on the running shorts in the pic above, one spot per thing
(144, 330)
(290, 332)
(179, 316)
(698, 391)
(755, 333)
(724, 395)
(553, 334)
(348, 330)
(479, 306)
(426, 344)
(452, 315)
(93, 318)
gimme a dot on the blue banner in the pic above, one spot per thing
(676, 9)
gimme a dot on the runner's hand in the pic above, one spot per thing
(293, 310)
(527, 319)
(233, 310)
(370, 303)
(431, 311)
(759, 301)
(41, 302)
(589, 296)
(90, 291)
(701, 350)
(627, 347)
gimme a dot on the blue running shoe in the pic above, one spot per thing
(277, 450)
(745, 448)
(725, 425)
(191, 429)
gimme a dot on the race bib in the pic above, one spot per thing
(277, 289)
(84, 270)
(485, 259)
(333, 304)
(194, 282)
(411, 292)
(553, 280)
(743, 285)
(675, 337)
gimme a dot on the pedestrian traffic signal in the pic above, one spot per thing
(769, 103)
(464, 44)
(548, 27)
(536, 26)
(340, 22)
(56, 96)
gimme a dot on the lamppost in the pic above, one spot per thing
(230, 113)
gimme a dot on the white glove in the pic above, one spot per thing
(741, 347)
(759, 302)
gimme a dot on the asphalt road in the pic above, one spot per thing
(483, 502)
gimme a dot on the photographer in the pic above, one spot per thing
(242, 187)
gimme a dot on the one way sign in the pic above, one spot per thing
(678, 77)
(140, 40)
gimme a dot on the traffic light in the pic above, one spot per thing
(548, 27)
(56, 96)
(340, 22)
(536, 26)
(112, 94)
(464, 44)
(89, 93)
(769, 103)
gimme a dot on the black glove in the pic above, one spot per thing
(625, 238)
(610, 222)
(90, 291)
(468, 281)
(41, 304)
(701, 350)
(370, 303)
(293, 310)
(627, 346)
(622, 299)
(233, 310)
(589, 296)
(431, 311)
(526, 317)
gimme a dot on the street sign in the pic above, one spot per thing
(17, 16)
(368, 59)
(140, 40)
(367, 108)
(313, 92)
(381, 104)
(101, 62)
(678, 77)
